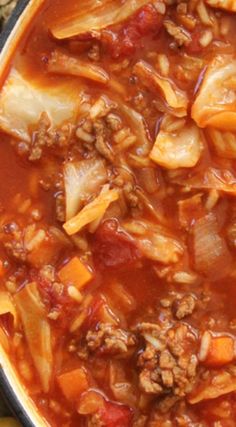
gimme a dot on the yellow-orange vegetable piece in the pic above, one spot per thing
(73, 383)
(221, 352)
(75, 273)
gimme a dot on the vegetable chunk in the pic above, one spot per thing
(180, 149)
(22, 102)
(91, 212)
(37, 331)
(88, 16)
(216, 351)
(73, 383)
(75, 273)
(215, 104)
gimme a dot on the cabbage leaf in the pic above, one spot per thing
(22, 102)
(92, 211)
(178, 149)
(37, 331)
(215, 104)
(82, 179)
(87, 16)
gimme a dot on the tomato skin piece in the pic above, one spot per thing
(112, 247)
(116, 415)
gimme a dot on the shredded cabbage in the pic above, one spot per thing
(143, 145)
(211, 255)
(82, 179)
(37, 331)
(92, 211)
(22, 102)
(175, 98)
(62, 63)
(88, 16)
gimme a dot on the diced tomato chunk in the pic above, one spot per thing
(115, 415)
(113, 247)
(126, 40)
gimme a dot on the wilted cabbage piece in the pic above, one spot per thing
(175, 98)
(37, 331)
(217, 384)
(177, 149)
(210, 178)
(137, 121)
(62, 63)
(215, 104)
(89, 15)
(7, 306)
(229, 5)
(211, 255)
(23, 101)
(155, 242)
(82, 179)
(92, 211)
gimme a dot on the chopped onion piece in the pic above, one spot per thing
(37, 331)
(215, 104)
(211, 255)
(178, 149)
(87, 16)
(22, 102)
(82, 179)
(62, 63)
(175, 98)
(91, 212)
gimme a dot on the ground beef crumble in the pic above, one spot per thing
(47, 136)
(169, 360)
(108, 339)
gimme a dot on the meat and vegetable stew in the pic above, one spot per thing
(118, 213)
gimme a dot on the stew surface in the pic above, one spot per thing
(118, 213)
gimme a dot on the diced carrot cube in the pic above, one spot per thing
(221, 351)
(73, 383)
(75, 273)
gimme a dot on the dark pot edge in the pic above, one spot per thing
(9, 396)
(6, 390)
(20, 7)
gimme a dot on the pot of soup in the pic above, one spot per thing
(118, 213)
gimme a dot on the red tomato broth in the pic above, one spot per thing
(146, 281)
